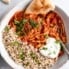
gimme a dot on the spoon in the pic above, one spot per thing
(63, 58)
(65, 47)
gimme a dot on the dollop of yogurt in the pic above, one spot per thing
(51, 49)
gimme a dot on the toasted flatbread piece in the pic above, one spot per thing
(6, 1)
(40, 7)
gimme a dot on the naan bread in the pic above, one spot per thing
(40, 7)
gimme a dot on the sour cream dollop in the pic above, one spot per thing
(51, 49)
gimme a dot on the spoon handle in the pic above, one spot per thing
(65, 48)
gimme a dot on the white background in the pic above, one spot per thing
(4, 8)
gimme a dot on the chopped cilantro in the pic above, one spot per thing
(20, 26)
(54, 52)
(26, 64)
(16, 22)
(7, 29)
(57, 41)
(34, 57)
(37, 61)
(44, 48)
(33, 23)
(22, 55)
(15, 43)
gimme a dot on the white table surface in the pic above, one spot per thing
(4, 8)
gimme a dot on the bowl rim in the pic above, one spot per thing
(6, 56)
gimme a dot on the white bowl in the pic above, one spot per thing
(5, 21)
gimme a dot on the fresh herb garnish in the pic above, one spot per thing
(16, 22)
(37, 61)
(20, 26)
(44, 48)
(22, 55)
(7, 29)
(15, 43)
(54, 52)
(26, 64)
(34, 57)
(33, 23)
(57, 41)
(46, 36)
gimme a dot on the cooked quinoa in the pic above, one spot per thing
(25, 54)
